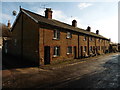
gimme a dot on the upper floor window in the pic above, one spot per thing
(69, 50)
(98, 40)
(85, 38)
(90, 38)
(56, 51)
(69, 35)
(56, 34)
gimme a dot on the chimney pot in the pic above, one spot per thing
(74, 23)
(89, 28)
(48, 13)
(9, 24)
(97, 31)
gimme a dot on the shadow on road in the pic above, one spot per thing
(10, 62)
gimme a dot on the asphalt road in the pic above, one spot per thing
(97, 72)
(107, 77)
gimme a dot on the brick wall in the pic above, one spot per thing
(46, 39)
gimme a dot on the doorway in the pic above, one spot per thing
(47, 55)
(75, 52)
(81, 51)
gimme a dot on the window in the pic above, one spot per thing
(85, 38)
(98, 40)
(90, 48)
(56, 51)
(90, 38)
(56, 34)
(69, 50)
(69, 35)
(84, 49)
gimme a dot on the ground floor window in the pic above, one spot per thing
(69, 50)
(84, 49)
(91, 48)
(56, 51)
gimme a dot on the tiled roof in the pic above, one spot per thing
(53, 22)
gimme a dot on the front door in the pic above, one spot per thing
(81, 51)
(75, 51)
(47, 55)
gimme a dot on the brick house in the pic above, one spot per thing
(41, 39)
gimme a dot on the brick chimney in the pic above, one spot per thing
(74, 23)
(89, 28)
(9, 24)
(97, 31)
(48, 13)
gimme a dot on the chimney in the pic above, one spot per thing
(74, 23)
(89, 28)
(9, 24)
(48, 13)
(97, 31)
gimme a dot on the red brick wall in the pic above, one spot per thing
(46, 39)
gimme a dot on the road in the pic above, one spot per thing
(105, 74)
(96, 72)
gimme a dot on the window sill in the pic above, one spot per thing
(68, 38)
(69, 53)
(55, 55)
(56, 39)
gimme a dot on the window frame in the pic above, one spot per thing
(84, 48)
(91, 48)
(56, 34)
(90, 38)
(85, 38)
(69, 50)
(69, 35)
(55, 52)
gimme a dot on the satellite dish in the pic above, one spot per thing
(14, 13)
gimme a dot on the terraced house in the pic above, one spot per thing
(41, 39)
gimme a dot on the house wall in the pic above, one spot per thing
(24, 43)
(93, 44)
(15, 44)
(83, 43)
(46, 39)
(30, 40)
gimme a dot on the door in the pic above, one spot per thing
(75, 52)
(47, 55)
(81, 51)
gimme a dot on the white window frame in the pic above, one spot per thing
(85, 38)
(69, 35)
(56, 53)
(91, 48)
(84, 49)
(56, 34)
(69, 51)
(90, 38)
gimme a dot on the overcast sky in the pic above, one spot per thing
(102, 16)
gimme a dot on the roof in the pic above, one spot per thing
(4, 30)
(42, 19)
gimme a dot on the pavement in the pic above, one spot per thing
(94, 72)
